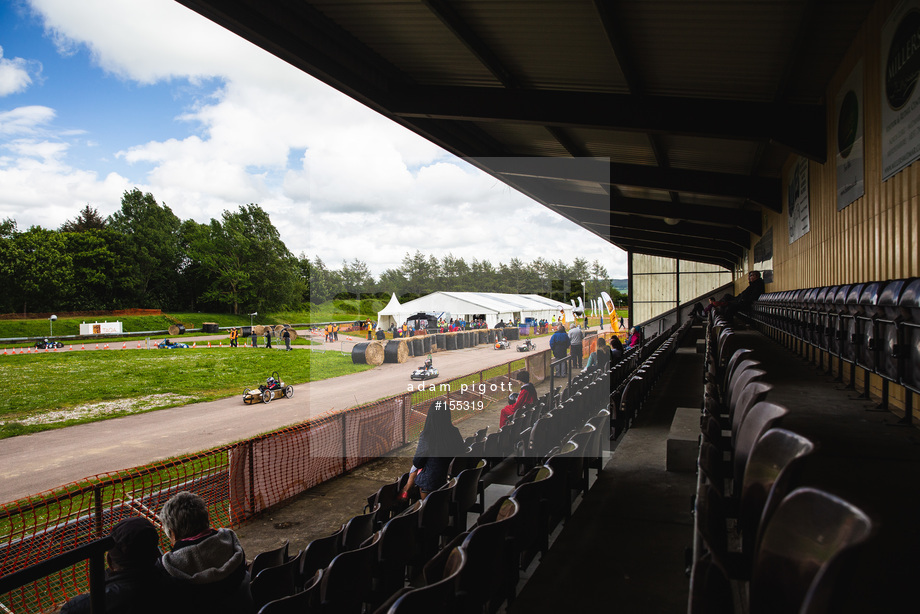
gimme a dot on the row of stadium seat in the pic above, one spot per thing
(875, 326)
(796, 511)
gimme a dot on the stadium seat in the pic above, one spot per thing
(357, 529)
(269, 558)
(772, 452)
(398, 546)
(348, 580)
(275, 582)
(306, 600)
(466, 494)
(809, 529)
(320, 552)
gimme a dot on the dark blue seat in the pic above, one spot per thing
(867, 350)
(849, 325)
(889, 321)
(910, 308)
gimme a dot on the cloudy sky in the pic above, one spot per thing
(101, 96)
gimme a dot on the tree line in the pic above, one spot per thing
(143, 255)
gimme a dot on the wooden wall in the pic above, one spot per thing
(878, 236)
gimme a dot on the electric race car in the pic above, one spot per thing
(273, 388)
(426, 371)
(44, 344)
(527, 346)
(166, 344)
(501, 344)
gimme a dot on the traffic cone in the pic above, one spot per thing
(209, 344)
(97, 346)
(4, 351)
(124, 345)
(82, 346)
(194, 345)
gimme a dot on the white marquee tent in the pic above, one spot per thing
(492, 306)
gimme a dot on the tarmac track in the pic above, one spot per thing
(30, 464)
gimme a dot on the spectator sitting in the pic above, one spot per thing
(745, 300)
(635, 337)
(208, 564)
(599, 358)
(713, 305)
(527, 395)
(439, 442)
(134, 583)
(616, 350)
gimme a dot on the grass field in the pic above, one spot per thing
(56, 389)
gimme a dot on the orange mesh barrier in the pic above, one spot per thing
(237, 481)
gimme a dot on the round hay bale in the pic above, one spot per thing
(280, 327)
(426, 344)
(483, 337)
(210, 327)
(450, 341)
(290, 330)
(513, 333)
(368, 353)
(441, 341)
(173, 330)
(396, 351)
(417, 347)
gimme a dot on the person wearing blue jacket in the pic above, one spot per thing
(559, 344)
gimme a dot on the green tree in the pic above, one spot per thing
(87, 219)
(100, 269)
(356, 277)
(246, 262)
(40, 268)
(154, 249)
(324, 283)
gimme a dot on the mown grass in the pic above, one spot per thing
(39, 385)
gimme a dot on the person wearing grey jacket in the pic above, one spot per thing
(208, 564)
(576, 339)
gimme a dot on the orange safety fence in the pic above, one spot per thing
(238, 481)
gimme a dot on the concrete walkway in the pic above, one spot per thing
(31, 464)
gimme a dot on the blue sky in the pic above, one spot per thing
(101, 96)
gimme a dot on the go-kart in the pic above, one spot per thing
(501, 344)
(166, 344)
(426, 371)
(527, 346)
(44, 344)
(273, 388)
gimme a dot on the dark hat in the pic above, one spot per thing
(136, 544)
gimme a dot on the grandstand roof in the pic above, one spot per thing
(661, 127)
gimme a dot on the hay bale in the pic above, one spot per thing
(396, 351)
(176, 329)
(210, 327)
(440, 340)
(258, 329)
(451, 341)
(368, 353)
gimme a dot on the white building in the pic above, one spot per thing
(468, 306)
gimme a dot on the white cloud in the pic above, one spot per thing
(25, 120)
(14, 74)
(338, 179)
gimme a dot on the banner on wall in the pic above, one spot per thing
(850, 169)
(797, 198)
(900, 57)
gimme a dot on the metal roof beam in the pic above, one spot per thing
(764, 191)
(799, 127)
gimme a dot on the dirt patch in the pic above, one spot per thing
(119, 407)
